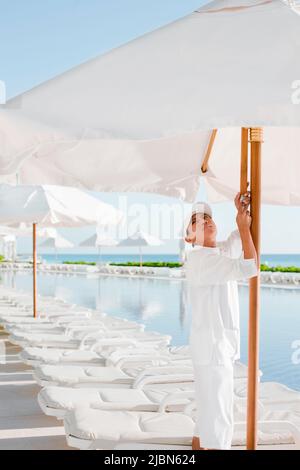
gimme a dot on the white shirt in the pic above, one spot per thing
(211, 275)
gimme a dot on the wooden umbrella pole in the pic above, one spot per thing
(256, 139)
(204, 166)
(34, 270)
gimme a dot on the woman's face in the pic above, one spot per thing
(201, 229)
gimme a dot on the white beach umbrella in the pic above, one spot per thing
(99, 241)
(56, 243)
(8, 245)
(52, 206)
(140, 239)
(25, 230)
(142, 106)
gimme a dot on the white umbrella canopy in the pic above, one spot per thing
(58, 242)
(142, 105)
(140, 239)
(24, 230)
(53, 206)
(98, 241)
(280, 166)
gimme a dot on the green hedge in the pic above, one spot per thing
(162, 264)
(149, 264)
(283, 269)
(88, 263)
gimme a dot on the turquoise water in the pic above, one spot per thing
(272, 259)
(162, 306)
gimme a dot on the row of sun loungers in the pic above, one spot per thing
(267, 277)
(116, 385)
(280, 278)
(103, 269)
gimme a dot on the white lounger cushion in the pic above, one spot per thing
(111, 427)
(273, 396)
(61, 356)
(104, 353)
(58, 400)
(75, 374)
(55, 329)
(104, 429)
(64, 341)
(71, 375)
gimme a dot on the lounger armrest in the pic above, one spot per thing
(94, 335)
(173, 368)
(111, 342)
(72, 329)
(164, 378)
(186, 394)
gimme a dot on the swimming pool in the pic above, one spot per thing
(162, 306)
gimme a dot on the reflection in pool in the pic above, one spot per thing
(162, 306)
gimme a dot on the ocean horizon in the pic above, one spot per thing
(271, 259)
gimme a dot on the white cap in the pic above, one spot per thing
(199, 207)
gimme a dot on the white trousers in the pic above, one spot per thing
(214, 402)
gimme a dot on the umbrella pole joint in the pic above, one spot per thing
(256, 134)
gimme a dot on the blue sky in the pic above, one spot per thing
(39, 40)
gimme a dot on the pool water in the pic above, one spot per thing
(162, 306)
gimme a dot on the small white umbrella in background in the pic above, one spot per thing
(53, 206)
(140, 239)
(56, 243)
(98, 241)
(8, 246)
(9, 235)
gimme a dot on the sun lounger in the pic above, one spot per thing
(53, 401)
(88, 428)
(60, 325)
(99, 353)
(133, 370)
(57, 401)
(77, 339)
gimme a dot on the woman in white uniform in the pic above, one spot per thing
(212, 271)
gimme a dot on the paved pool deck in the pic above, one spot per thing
(23, 425)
